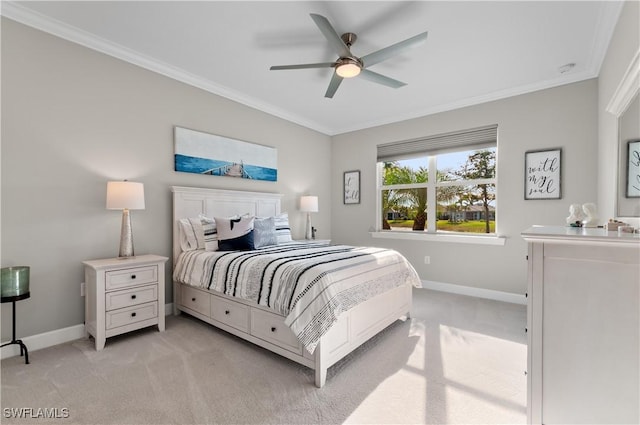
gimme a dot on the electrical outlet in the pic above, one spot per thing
(427, 259)
(82, 288)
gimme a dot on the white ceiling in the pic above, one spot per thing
(476, 51)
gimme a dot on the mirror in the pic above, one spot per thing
(624, 105)
(628, 201)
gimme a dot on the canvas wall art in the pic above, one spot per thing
(208, 154)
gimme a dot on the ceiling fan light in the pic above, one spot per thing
(347, 70)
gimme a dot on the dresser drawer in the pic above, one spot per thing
(130, 297)
(196, 300)
(129, 315)
(230, 313)
(134, 276)
(271, 328)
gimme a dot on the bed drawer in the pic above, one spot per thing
(130, 297)
(129, 315)
(230, 313)
(196, 300)
(271, 328)
(133, 276)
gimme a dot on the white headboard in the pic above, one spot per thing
(191, 201)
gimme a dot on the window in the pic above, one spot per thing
(444, 184)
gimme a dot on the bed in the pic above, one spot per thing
(337, 297)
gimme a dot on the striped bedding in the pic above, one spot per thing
(309, 283)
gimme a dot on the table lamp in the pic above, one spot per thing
(125, 196)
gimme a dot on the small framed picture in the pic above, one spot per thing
(351, 184)
(633, 169)
(543, 174)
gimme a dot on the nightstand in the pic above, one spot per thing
(122, 295)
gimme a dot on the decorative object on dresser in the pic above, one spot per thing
(125, 196)
(15, 287)
(204, 153)
(543, 174)
(590, 215)
(583, 326)
(302, 318)
(351, 187)
(309, 204)
(576, 215)
(123, 295)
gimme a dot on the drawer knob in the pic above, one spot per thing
(133, 276)
(227, 312)
(193, 299)
(133, 297)
(273, 329)
(133, 314)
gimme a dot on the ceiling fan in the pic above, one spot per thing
(348, 65)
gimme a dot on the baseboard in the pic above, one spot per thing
(475, 292)
(58, 336)
(44, 340)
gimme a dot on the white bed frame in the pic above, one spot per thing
(260, 325)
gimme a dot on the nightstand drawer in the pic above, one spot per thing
(230, 313)
(271, 328)
(133, 276)
(129, 315)
(130, 297)
(196, 300)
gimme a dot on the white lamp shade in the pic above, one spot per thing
(121, 195)
(309, 204)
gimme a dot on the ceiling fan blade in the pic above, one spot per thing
(394, 49)
(381, 79)
(333, 85)
(303, 66)
(331, 35)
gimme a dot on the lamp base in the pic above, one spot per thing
(308, 232)
(126, 236)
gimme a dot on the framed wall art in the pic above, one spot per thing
(633, 169)
(543, 174)
(351, 185)
(204, 153)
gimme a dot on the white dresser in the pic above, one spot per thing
(583, 323)
(122, 295)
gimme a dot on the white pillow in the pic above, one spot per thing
(283, 230)
(191, 234)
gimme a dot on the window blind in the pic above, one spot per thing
(475, 138)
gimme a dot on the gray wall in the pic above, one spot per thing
(72, 119)
(563, 117)
(624, 45)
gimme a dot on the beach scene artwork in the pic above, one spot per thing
(204, 153)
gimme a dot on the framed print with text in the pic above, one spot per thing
(351, 185)
(542, 174)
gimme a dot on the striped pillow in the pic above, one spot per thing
(210, 233)
(283, 230)
(198, 233)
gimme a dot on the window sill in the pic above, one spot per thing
(440, 237)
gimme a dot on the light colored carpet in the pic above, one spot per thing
(459, 360)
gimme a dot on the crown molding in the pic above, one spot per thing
(627, 89)
(607, 21)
